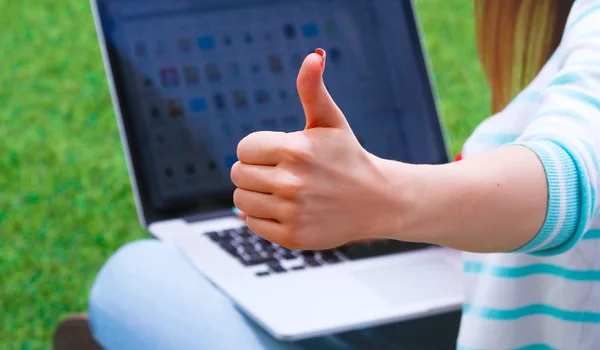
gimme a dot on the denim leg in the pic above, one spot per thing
(149, 296)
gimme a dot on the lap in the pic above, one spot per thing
(148, 296)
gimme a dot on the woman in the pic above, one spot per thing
(523, 202)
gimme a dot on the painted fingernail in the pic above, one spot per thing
(323, 55)
(236, 211)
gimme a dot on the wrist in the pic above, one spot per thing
(421, 201)
(400, 196)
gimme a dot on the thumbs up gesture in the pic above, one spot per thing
(312, 189)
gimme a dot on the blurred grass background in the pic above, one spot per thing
(65, 200)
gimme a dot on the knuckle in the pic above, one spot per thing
(289, 186)
(258, 230)
(298, 153)
(254, 141)
(238, 199)
(235, 173)
(247, 144)
(292, 238)
(251, 225)
(242, 148)
(289, 213)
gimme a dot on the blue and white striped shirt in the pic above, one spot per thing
(546, 295)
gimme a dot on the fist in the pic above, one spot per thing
(313, 189)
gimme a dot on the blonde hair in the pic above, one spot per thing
(515, 38)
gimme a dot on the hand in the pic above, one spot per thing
(313, 189)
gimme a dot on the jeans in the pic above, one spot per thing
(148, 296)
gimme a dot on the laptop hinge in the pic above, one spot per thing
(216, 214)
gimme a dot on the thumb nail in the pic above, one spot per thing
(323, 55)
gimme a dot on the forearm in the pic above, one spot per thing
(495, 202)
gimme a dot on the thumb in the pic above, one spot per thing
(320, 110)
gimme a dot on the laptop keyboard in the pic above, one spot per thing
(253, 251)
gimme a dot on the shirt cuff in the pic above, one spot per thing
(564, 198)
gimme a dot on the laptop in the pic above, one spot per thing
(190, 78)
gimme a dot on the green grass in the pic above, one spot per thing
(65, 200)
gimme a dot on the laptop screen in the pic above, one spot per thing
(193, 77)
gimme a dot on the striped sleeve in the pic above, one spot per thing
(565, 134)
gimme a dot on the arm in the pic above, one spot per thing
(537, 195)
(490, 203)
(318, 189)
